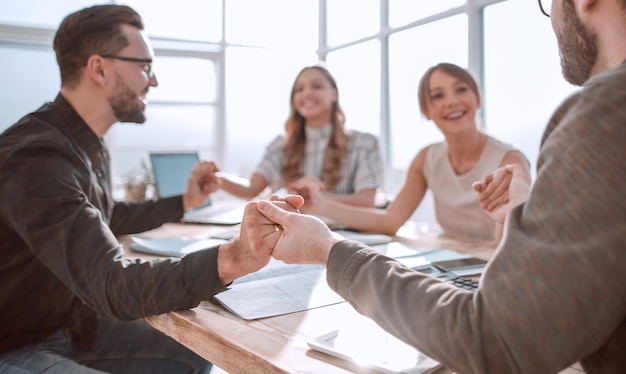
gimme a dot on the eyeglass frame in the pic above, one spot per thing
(543, 10)
(146, 61)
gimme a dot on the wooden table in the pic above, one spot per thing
(277, 344)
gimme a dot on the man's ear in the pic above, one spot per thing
(95, 69)
(584, 6)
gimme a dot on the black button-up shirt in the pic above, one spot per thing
(60, 260)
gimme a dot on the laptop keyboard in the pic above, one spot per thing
(463, 282)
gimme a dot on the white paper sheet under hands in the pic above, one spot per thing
(279, 289)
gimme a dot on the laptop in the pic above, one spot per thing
(171, 171)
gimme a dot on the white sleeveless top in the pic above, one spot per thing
(456, 206)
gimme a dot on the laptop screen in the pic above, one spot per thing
(171, 171)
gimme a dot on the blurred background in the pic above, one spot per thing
(225, 71)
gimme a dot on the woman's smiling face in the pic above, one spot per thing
(451, 103)
(313, 97)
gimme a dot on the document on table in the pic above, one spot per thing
(279, 289)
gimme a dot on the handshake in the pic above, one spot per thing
(275, 228)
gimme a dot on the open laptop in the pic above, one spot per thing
(171, 171)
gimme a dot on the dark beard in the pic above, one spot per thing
(577, 47)
(125, 104)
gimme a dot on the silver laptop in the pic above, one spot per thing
(171, 171)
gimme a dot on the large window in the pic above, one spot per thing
(411, 53)
(404, 12)
(357, 71)
(188, 20)
(257, 101)
(38, 13)
(30, 77)
(350, 20)
(523, 81)
(225, 70)
(267, 43)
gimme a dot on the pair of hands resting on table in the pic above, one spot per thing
(305, 239)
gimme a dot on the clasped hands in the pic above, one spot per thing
(275, 228)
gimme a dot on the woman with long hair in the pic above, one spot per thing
(317, 148)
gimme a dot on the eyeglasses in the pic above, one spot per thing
(546, 7)
(147, 62)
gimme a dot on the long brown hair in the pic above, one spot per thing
(294, 148)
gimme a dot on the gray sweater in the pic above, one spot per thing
(555, 290)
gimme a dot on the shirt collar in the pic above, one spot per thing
(75, 127)
(323, 132)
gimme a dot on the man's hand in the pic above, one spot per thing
(201, 183)
(502, 190)
(252, 250)
(304, 239)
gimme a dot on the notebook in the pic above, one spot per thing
(171, 171)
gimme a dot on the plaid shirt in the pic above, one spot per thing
(555, 290)
(61, 261)
(362, 168)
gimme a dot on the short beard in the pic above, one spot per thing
(125, 104)
(578, 47)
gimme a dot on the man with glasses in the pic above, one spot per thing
(70, 302)
(554, 292)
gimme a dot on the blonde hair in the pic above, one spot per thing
(293, 150)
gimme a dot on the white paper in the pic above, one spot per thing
(279, 289)
(364, 342)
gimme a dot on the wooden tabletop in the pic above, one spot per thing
(277, 344)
